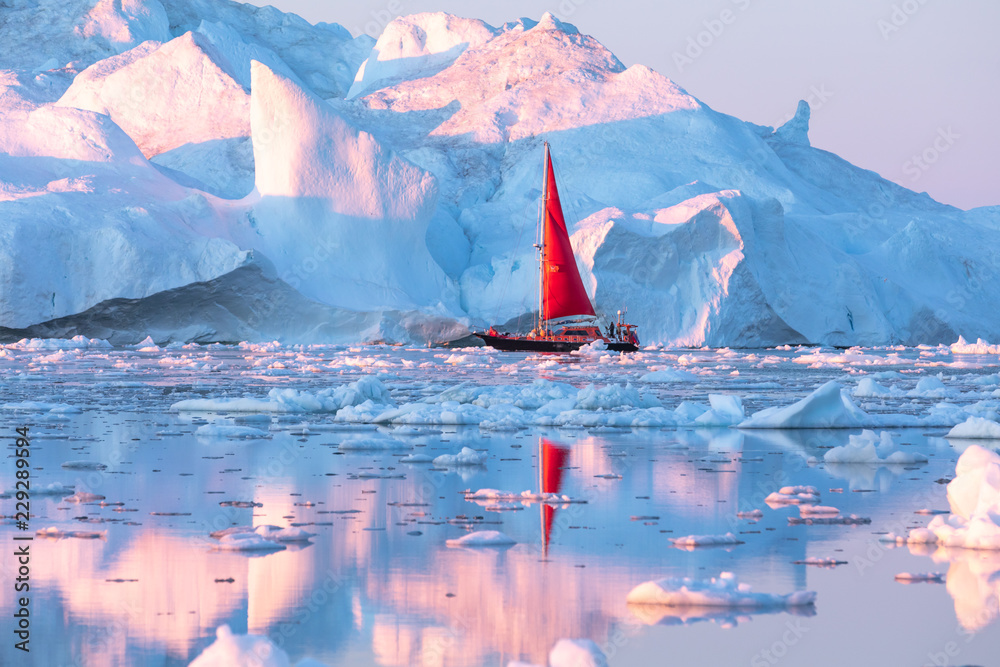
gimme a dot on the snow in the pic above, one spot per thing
(482, 538)
(724, 591)
(871, 448)
(467, 457)
(975, 428)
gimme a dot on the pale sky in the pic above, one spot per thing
(906, 88)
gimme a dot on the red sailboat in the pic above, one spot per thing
(561, 293)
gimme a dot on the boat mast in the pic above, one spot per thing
(541, 239)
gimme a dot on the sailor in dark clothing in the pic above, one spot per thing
(611, 330)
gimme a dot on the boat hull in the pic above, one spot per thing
(524, 344)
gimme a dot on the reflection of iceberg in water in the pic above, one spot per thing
(973, 582)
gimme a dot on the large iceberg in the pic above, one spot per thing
(253, 176)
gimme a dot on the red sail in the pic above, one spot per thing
(562, 290)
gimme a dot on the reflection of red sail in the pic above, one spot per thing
(553, 460)
(563, 292)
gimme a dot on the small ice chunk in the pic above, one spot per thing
(751, 514)
(230, 431)
(723, 591)
(84, 465)
(814, 510)
(467, 457)
(482, 538)
(278, 534)
(247, 542)
(416, 458)
(58, 533)
(976, 428)
(83, 497)
(705, 540)
(373, 444)
(921, 578)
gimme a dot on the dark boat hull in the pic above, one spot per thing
(521, 344)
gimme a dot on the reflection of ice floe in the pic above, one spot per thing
(83, 497)
(871, 448)
(84, 465)
(721, 599)
(495, 495)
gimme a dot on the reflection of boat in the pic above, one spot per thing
(561, 293)
(550, 471)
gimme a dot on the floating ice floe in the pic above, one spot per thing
(74, 343)
(230, 431)
(871, 448)
(869, 388)
(923, 577)
(84, 465)
(59, 533)
(976, 428)
(416, 458)
(467, 457)
(247, 541)
(482, 538)
(750, 514)
(979, 347)
(83, 497)
(53, 489)
(723, 591)
(793, 495)
(692, 541)
(525, 496)
(974, 497)
(40, 406)
(666, 375)
(820, 562)
(817, 510)
(821, 520)
(372, 445)
(367, 389)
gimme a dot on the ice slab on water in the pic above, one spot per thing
(482, 538)
(723, 591)
(976, 428)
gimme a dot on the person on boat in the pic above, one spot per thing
(611, 330)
